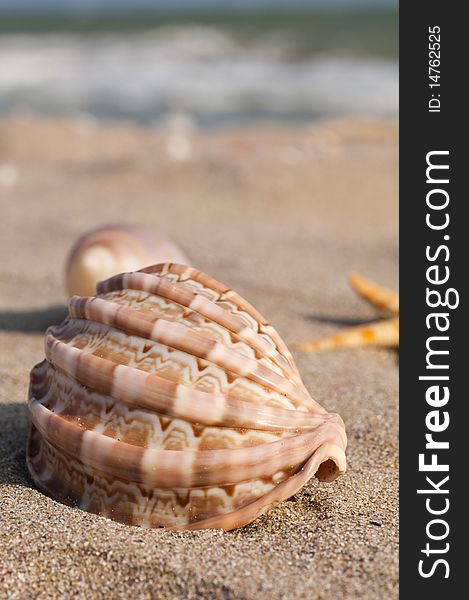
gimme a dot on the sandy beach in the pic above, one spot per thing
(281, 214)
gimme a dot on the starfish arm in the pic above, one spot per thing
(380, 333)
(380, 297)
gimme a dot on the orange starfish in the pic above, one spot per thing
(384, 333)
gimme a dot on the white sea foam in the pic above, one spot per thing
(202, 70)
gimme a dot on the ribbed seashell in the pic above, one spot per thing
(113, 249)
(168, 401)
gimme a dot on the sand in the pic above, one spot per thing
(281, 214)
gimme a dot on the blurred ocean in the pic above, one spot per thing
(217, 67)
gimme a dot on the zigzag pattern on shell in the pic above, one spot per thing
(167, 400)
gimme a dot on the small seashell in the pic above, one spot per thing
(168, 401)
(115, 248)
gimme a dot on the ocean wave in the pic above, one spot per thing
(197, 69)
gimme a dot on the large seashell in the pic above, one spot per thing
(115, 248)
(169, 401)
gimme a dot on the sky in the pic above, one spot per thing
(92, 5)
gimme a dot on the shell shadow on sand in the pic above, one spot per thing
(14, 423)
(32, 321)
(14, 419)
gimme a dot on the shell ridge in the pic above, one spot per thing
(225, 293)
(285, 489)
(68, 334)
(148, 512)
(235, 410)
(165, 468)
(201, 305)
(180, 337)
(48, 395)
